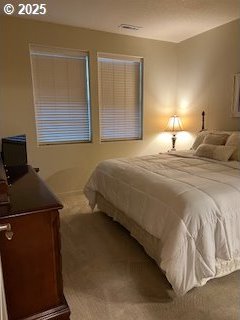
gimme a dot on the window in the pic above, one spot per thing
(61, 95)
(120, 94)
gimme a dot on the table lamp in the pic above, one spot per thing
(174, 125)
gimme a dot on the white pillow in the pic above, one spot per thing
(199, 139)
(216, 152)
(234, 140)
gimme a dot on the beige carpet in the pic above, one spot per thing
(108, 276)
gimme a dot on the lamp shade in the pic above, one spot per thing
(174, 124)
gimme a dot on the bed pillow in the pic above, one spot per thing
(211, 151)
(234, 140)
(216, 138)
(199, 139)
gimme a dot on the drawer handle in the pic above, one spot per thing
(8, 230)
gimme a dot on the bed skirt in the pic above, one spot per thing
(151, 244)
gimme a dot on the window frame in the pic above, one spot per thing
(123, 57)
(88, 92)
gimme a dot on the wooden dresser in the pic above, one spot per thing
(31, 259)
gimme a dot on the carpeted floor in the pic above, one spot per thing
(108, 276)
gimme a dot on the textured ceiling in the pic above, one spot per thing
(169, 20)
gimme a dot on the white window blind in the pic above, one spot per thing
(61, 95)
(120, 95)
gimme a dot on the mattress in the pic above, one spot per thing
(190, 205)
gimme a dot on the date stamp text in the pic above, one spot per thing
(25, 9)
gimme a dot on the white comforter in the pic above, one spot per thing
(192, 205)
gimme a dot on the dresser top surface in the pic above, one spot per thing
(28, 193)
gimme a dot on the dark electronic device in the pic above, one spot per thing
(14, 151)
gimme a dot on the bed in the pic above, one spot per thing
(182, 207)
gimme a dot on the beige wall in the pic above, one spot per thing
(206, 65)
(66, 167)
(185, 78)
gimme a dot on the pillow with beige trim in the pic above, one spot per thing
(234, 140)
(216, 138)
(199, 139)
(211, 151)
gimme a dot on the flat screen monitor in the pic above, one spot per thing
(14, 151)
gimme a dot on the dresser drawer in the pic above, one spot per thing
(31, 264)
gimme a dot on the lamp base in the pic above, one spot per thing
(174, 138)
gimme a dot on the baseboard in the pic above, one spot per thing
(80, 191)
(61, 312)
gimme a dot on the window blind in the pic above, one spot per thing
(120, 95)
(61, 95)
